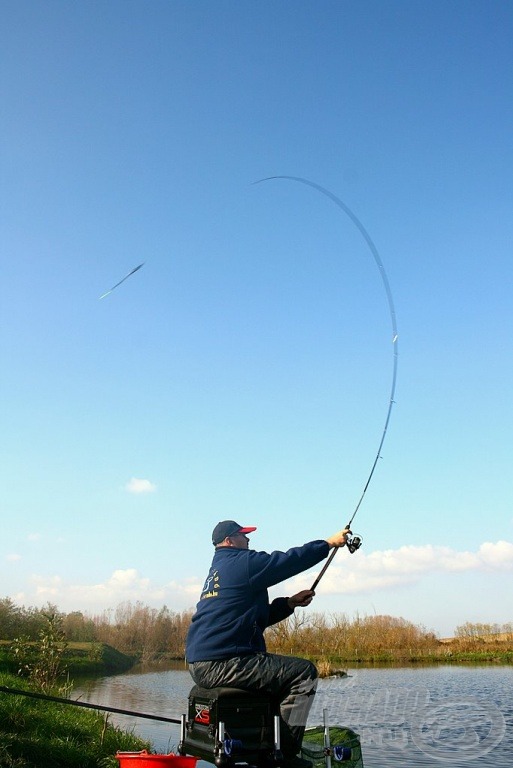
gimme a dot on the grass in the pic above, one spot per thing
(40, 734)
(96, 658)
(80, 659)
(331, 665)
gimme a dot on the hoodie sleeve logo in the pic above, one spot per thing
(211, 586)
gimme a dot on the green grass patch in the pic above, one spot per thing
(79, 659)
(327, 664)
(96, 658)
(41, 734)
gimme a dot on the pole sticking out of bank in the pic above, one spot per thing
(86, 704)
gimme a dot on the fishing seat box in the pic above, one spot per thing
(248, 719)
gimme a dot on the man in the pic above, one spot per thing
(225, 643)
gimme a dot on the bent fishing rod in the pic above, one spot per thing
(86, 704)
(354, 542)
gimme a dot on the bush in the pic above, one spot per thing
(42, 661)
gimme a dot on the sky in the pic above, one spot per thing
(244, 372)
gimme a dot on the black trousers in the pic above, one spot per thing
(290, 680)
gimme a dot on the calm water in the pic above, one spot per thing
(453, 716)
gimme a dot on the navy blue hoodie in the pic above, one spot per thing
(234, 610)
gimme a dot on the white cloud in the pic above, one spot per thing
(361, 574)
(13, 558)
(406, 565)
(138, 485)
(497, 556)
(47, 587)
(123, 585)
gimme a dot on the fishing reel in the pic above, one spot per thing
(353, 542)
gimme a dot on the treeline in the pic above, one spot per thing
(337, 636)
(478, 633)
(134, 629)
(150, 633)
(141, 631)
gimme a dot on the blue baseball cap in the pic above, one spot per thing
(228, 528)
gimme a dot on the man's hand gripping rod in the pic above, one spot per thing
(352, 543)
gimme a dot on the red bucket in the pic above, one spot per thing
(145, 759)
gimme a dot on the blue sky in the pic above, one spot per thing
(244, 372)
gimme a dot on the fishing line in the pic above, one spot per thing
(355, 542)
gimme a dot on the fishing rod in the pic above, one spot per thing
(87, 705)
(354, 542)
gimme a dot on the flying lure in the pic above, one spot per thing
(355, 542)
(122, 281)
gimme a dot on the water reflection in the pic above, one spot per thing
(457, 716)
(162, 692)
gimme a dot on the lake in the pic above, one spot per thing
(460, 716)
